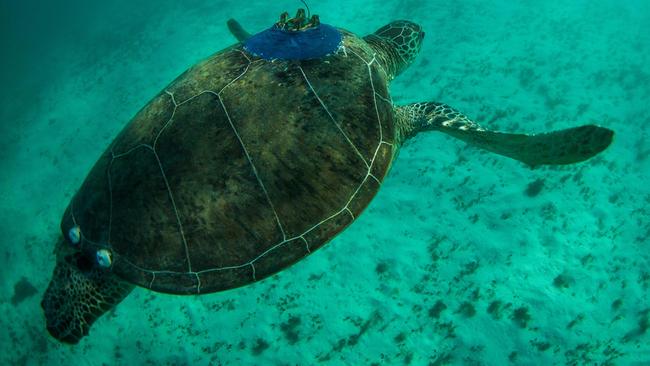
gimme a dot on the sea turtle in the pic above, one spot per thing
(251, 160)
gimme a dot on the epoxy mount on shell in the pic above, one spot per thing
(309, 44)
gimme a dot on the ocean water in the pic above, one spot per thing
(463, 258)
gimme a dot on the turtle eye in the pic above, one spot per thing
(104, 258)
(74, 235)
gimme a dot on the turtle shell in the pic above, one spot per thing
(238, 169)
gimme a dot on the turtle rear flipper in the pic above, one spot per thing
(237, 30)
(566, 146)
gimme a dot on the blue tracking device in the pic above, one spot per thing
(281, 44)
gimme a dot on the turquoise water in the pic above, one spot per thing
(463, 258)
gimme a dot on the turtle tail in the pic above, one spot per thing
(78, 294)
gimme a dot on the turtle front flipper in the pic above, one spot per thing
(567, 146)
(238, 31)
(78, 294)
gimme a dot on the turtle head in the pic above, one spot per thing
(81, 290)
(397, 44)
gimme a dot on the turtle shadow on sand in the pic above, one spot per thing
(253, 159)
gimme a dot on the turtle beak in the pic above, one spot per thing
(64, 314)
(79, 293)
(70, 303)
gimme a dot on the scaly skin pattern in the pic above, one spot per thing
(78, 294)
(417, 117)
(566, 146)
(397, 43)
